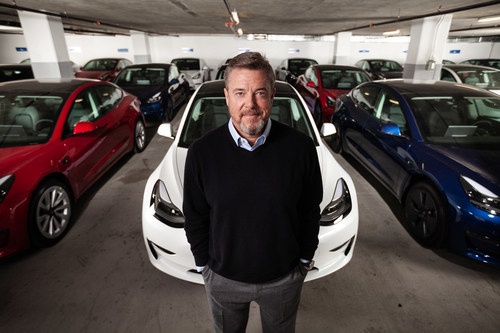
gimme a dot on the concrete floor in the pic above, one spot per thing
(99, 279)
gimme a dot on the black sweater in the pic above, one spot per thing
(251, 216)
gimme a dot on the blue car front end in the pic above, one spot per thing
(153, 107)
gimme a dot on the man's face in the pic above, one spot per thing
(249, 98)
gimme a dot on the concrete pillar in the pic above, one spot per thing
(427, 46)
(47, 48)
(140, 43)
(342, 49)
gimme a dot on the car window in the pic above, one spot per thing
(107, 98)
(173, 73)
(28, 118)
(187, 64)
(388, 110)
(366, 96)
(342, 78)
(208, 113)
(447, 76)
(313, 77)
(480, 78)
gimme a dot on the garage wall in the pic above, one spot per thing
(215, 49)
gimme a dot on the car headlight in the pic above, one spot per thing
(155, 98)
(5, 185)
(197, 76)
(340, 205)
(165, 210)
(330, 101)
(480, 196)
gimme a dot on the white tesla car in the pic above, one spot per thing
(162, 218)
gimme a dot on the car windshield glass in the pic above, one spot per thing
(27, 119)
(187, 64)
(385, 66)
(141, 77)
(100, 65)
(480, 78)
(299, 66)
(208, 113)
(342, 79)
(458, 119)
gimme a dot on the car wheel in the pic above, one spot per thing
(139, 136)
(425, 215)
(317, 115)
(50, 213)
(169, 110)
(336, 139)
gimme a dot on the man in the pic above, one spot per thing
(252, 190)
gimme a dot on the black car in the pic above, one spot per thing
(160, 88)
(290, 69)
(381, 69)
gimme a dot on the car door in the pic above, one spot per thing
(176, 86)
(89, 152)
(384, 146)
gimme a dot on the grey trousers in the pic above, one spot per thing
(278, 300)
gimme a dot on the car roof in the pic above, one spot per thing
(408, 86)
(466, 66)
(152, 65)
(326, 66)
(216, 89)
(65, 85)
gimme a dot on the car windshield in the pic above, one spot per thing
(27, 119)
(152, 76)
(458, 119)
(187, 64)
(385, 66)
(482, 78)
(342, 79)
(208, 113)
(17, 73)
(100, 65)
(299, 66)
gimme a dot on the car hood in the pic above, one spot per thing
(484, 162)
(92, 74)
(17, 158)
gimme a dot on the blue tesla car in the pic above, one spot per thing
(436, 147)
(161, 88)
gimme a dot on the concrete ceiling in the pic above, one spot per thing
(277, 17)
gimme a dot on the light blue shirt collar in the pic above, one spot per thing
(243, 143)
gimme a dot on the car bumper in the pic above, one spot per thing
(13, 227)
(169, 251)
(153, 112)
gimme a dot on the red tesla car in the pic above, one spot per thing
(57, 137)
(321, 85)
(103, 68)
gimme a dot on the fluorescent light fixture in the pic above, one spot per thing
(391, 33)
(489, 19)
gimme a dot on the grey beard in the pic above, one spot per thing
(254, 130)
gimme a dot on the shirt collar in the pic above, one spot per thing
(243, 143)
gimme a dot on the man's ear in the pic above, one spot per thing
(226, 94)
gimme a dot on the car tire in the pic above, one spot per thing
(50, 213)
(336, 139)
(139, 136)
(169, 110)
(425, 215)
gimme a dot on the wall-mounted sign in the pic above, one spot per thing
(124, 50)
(75, 49)
(293, 50)
(187, 50)
(21, 49)
(454, 51)
(363, 51)
(243, 49)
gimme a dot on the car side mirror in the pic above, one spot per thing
(391, 129)
(165, 130)
(83, 127)
(328, 129)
